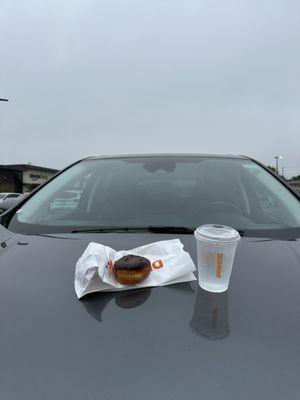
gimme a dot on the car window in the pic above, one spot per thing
(68, 197)
(164, 191)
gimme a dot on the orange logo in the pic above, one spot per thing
(219, 265)
(157, 264)
(110, 265)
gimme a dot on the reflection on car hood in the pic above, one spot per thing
(171, 342)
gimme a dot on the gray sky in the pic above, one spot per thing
(89, 77)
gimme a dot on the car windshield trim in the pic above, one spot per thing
(284, 234)
(275, 233)
(153, 229)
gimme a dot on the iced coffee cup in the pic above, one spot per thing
(216, 247)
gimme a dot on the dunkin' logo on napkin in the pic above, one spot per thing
(157, 264)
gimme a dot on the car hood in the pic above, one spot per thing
(169, 342)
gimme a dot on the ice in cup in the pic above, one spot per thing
(216, 247)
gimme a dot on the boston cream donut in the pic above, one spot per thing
(132, 269)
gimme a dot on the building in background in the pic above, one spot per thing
(23, 178)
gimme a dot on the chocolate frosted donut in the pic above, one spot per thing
(132, 269)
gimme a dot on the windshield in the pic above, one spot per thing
(160, 191)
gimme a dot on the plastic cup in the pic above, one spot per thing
(216, 247)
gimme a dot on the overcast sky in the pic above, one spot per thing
(89, 77)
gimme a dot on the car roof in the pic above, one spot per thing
(154, 155)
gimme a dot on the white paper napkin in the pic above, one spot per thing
(170, 264)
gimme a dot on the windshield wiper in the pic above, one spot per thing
(171, 229)
(152, 229)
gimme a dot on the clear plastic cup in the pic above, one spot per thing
(216, 247)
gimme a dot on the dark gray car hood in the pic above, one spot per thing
(173, 342)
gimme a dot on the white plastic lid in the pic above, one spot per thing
(219, 233)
